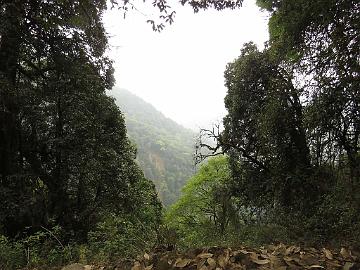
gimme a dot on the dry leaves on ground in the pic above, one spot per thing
(274, 257)
(279, 257)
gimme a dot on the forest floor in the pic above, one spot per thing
(277, 257)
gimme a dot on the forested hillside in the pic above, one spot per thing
(288, 155)
(164, 148)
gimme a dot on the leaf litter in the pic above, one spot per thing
(273, 257)
(277, 257)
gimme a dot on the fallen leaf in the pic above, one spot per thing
(308, 259)
(255, 258)
(328, 254)
(317, 266)
(74, 266)
(348, 266)
(290, 250)
(271, 247)
(280, 249)
(200, 264)
(223, 260)
(242, 258)
(146, 256)
(181, 263)
(136, 266)
(345, 254)
(276, 262)
(333, 263)
(205, 255)
(212, 263)
(287, 259)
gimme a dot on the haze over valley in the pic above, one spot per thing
(94, 176)
(164, 148)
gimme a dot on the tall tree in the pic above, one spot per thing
(322, 39)
(264, 130)
(62, 138)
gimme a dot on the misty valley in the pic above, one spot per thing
(93, 177)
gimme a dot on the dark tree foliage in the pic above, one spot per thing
(64, 155)
(322, 39)
(264, 131)
(292, 129)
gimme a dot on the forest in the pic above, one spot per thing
(164, 148)
(285, 168)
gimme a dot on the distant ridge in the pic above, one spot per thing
(165, 148)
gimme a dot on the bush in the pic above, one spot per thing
(39, 249)
(12, 255)
(122, 237)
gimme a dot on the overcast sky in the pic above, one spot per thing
(180, 70)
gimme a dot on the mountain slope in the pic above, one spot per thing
(164, 147)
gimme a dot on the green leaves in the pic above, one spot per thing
(292, 125)
(62, 128)
(205, 206)
(263, 131)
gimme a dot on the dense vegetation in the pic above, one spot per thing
(293, 124)
(71, 189)
(164, 148)
(202, 215)
(69, 185)
(67, 169)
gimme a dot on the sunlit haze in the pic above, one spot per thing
(180, 70)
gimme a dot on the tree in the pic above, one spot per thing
(63, 145)
(167, 13)
(206, 206)
(322, 39)
(292, 129)
(264, 131)
(65, 157)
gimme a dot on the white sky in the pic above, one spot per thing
(180, 70)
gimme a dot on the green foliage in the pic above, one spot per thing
(114, 236)
(208, 214)
(283, 161)
(120, 237)
(322, 35)
(264, 133)
(337, 219)
(164, 148)
(291, 134)
(292, 130)
(65, 158)
(205, 205)
(40, 249)
(12, 255)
